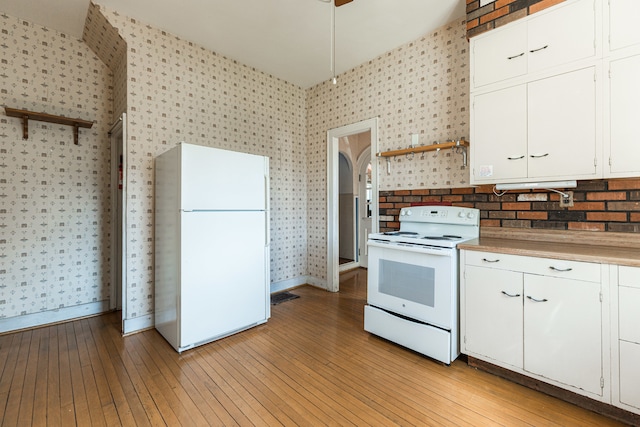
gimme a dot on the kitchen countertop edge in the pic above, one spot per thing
(555, 250)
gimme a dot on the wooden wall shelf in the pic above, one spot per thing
(49, 118)
(423, 148)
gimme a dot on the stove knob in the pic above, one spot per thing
(461, 214)
(471, 215)
(408, 212)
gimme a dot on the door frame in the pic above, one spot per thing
(118, 138)
(333, 136)
(363, 161)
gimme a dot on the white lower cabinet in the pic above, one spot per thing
(626, 338)
(499, 335)
(563, 331)
(539, 317)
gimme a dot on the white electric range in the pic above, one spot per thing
(412, 290)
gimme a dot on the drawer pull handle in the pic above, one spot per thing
(539, 49)
(515, 158)
(515, 56)
(537, 300)
(560, 269)
(490, 260)
(537, 156)
(510, 295)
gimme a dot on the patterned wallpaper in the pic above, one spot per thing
(54, 195)
(174, 90)
(422, 88)
(105, 41)
(179, 91)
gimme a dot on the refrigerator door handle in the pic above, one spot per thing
(267, 204)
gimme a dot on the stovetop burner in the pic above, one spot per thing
(436, 226)
(444, 237)
(400, 233)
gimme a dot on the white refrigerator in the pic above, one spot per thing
(211, 244)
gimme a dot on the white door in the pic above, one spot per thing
(214, 179)
(623, 17)
(224, 274)
(494, 314)
(499, 131)
(563, 331)
(118, 136)
(562, 125)
(416, 283)
(624, 94)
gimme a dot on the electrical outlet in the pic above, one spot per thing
(566, 202)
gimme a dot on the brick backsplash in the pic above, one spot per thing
(599, 205)
(501, 12)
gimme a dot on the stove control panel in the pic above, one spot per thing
(441, 214)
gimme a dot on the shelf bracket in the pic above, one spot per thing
(25, 127)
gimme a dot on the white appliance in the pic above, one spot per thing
(211, 244)
(412, 289)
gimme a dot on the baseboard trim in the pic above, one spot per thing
(45, 318)
(584, 402)
(286, 285)
(137, 324)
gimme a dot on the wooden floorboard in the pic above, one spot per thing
(312, 363)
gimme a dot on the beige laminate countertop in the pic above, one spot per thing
(580, 251)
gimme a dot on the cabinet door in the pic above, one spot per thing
(623, 20)
(562, 35)
(499, 135)
(563, 331)
(493, 325)
(624, 92)
(562, 125)
(499, 54)
(630, 374)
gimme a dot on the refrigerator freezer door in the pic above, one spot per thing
(225, 274)
(214, 179)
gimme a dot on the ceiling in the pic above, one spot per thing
(289, 39)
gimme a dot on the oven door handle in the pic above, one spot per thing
(408, 247)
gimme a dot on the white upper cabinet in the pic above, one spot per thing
(564, 34)
(542, 130)
(623, 24)
(563, 126)
(500, 54)
(622, 120)
(499, 122)
(622, 150)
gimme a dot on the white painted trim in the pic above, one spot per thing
(485, 2)
(137, 324)
(53, 316)
(298, 281)
(333, 136)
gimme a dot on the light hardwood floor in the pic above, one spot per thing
(312, 364)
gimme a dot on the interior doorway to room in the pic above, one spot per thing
(118, 138)
(352, 196)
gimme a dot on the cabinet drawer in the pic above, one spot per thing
(629, 276)
(630, 374)
(497, 260)
(574, 270)
(629, 314)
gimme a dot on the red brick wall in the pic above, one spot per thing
(599, 205)
(500, 12)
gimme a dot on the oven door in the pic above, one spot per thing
(414, 281)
